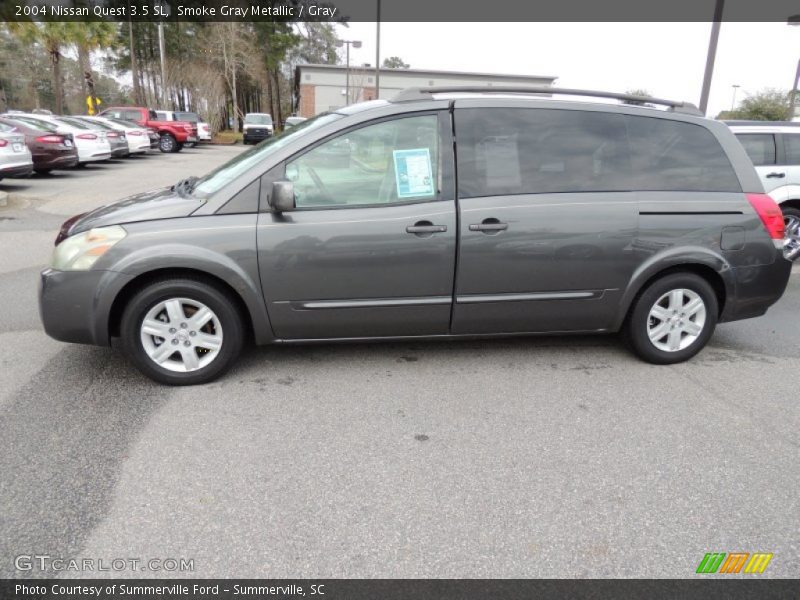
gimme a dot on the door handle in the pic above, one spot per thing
(423, 227)
(489, 226)
(776, 174)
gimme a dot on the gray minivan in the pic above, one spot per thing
(444, 213)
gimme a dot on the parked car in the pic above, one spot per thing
(292, 121)
(116, 138)
(172, 134)
(257, 127)
(137, 138)
(92, 145)
(15, 158)
(774, 149)
(204, 131)
(461, 213)
(49, 150)
(189, 117)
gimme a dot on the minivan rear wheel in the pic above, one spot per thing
(673, 318)
(182, 331)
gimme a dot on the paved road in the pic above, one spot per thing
(554, 457)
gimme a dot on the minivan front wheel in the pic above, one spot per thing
(181, 331)
(673, 319)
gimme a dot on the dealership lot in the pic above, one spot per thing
(548, 457)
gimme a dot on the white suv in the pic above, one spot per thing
(774, 148)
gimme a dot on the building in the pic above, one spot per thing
(320, 88)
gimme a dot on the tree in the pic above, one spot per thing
(395, 62)
(54, 37)
(637, 92)
(768, 104)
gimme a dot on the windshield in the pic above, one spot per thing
(258, 119)
(223, 175)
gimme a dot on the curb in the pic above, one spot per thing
(3, 199)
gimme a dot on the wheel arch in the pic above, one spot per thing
(254, 320)
(714, 269)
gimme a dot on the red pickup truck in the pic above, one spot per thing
(174, 134)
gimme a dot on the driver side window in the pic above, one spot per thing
(390, 162)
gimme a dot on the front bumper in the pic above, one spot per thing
(75, 305)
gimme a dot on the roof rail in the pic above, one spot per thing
(418, 93)
(761, 123)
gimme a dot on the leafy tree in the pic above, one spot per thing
(395, 62)
(768, 104)
(54, 37)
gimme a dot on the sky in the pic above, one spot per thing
(666, 59)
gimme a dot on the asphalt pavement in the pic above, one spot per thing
(537, 457)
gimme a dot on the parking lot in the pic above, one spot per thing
(537, 457)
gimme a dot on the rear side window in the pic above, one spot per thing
(791, 143)
(529, 151)
(676, 156)
(760, 147)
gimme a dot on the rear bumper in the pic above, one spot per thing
(16, 170)
(75, 305)
(50, 161)
(757, 288)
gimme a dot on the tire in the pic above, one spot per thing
(675, 338)
(169, 307)
(167, 143)
(43, 171)
(791, 219)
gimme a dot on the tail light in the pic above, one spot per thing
(86, 136)
(50, 139)
(3, 143)
(133, 133)
(770, 214)
(112, 134)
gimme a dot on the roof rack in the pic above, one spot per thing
(418, 93)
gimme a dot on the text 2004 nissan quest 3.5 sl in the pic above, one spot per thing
(445, 212)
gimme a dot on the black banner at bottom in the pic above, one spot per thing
(391, 589)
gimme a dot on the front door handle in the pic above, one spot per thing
(491, 225)
(425, 227)
(776, 174)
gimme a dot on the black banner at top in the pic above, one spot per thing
(494, 11)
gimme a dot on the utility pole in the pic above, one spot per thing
(378, 54)
(712, 54)
(162, 53)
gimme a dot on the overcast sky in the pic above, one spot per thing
(666, 59)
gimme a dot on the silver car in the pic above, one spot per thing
(15, 158)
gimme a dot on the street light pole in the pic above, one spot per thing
(378, 54)
(162, 53)
(794, 20)
(735, 87)
(348, 43)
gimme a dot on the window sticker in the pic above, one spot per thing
(413, 173)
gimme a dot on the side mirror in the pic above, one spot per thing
(282, 197)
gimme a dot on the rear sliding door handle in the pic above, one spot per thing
(489, 226)
(778, 175)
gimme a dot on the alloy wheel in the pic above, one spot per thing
(181, 335)
(676, 320)
(791, 247)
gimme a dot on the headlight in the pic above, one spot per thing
(79, 252)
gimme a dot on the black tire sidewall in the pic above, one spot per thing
(169, 138)
(639, 315)
(215, 299)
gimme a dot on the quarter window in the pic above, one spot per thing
(760, 147)
(791, 143)
(676, 156)
(389, 162)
